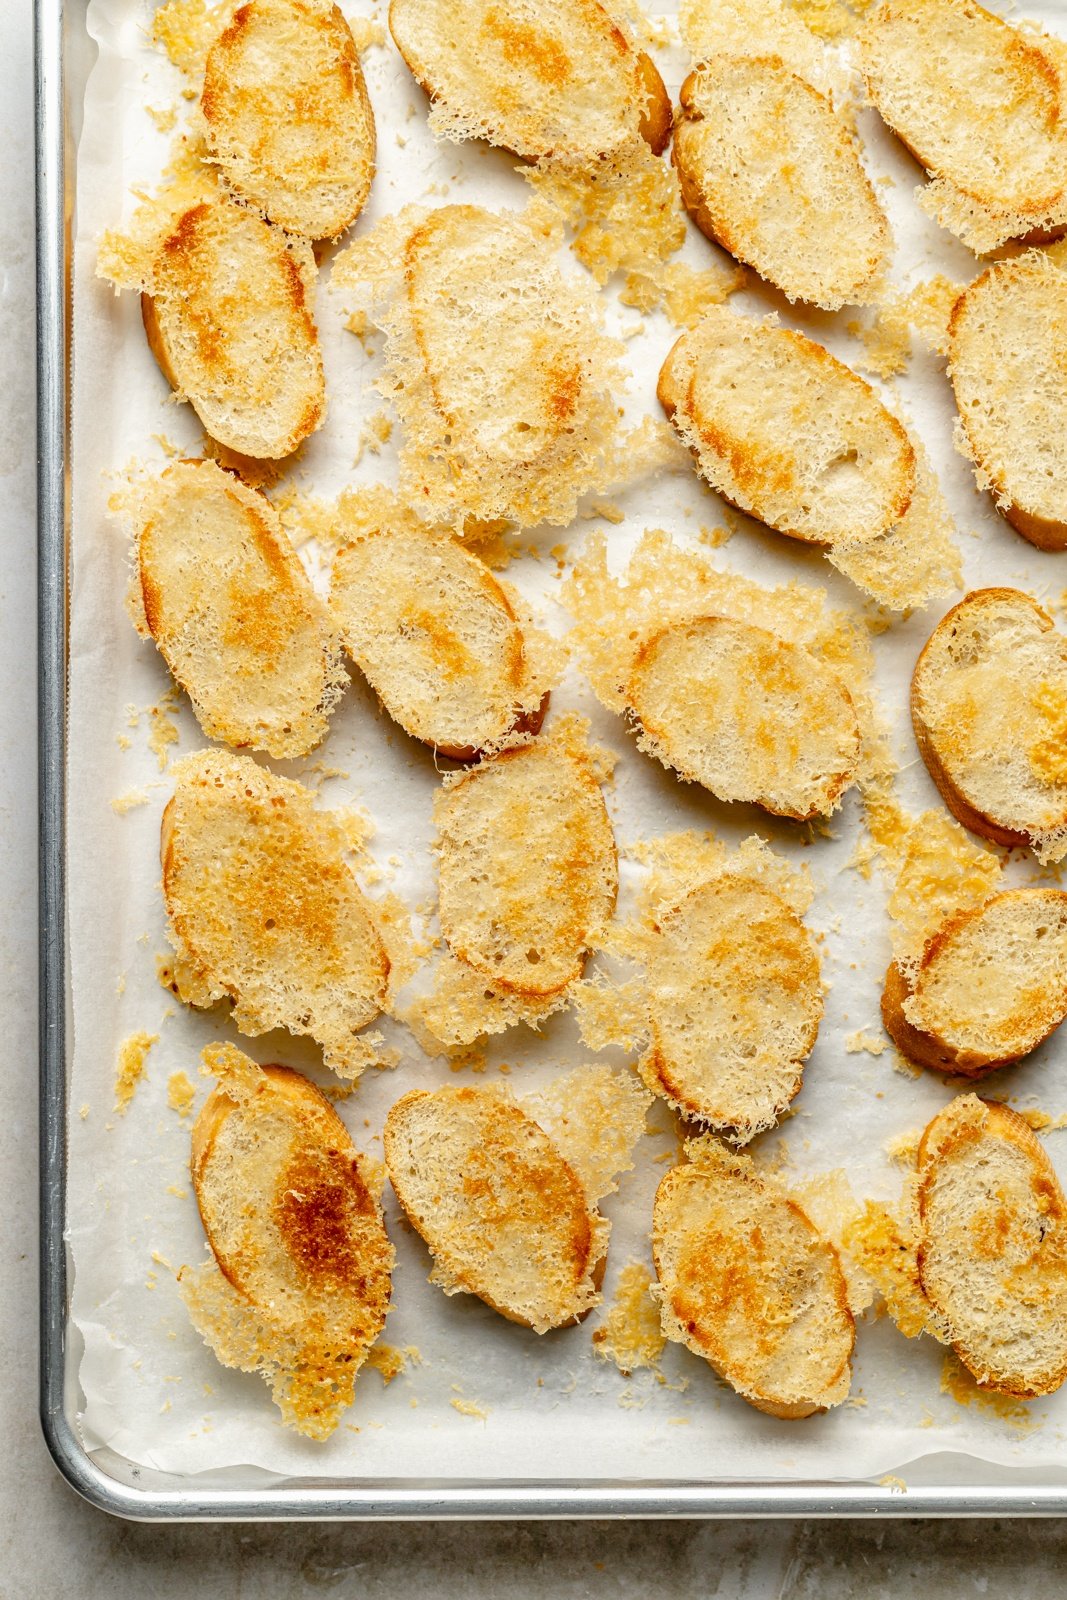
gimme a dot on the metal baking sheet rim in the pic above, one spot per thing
(119, 1487)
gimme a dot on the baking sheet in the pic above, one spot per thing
(483, 1399)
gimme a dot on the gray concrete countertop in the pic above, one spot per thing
(51, 1545)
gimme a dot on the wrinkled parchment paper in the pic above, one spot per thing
(478, 1397)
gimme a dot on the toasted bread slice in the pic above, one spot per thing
(993, 1246)
(787, 433)
(990, 987)
(289, 121)
(749, 1283)
(228, 316)
(770, 172)
(528, 868)
(437, 638)
(505, 1216)
(1007, 357)
(296, 1233)
(265, 909)
(747, 714)
(560, 82)
(989, 708)
(497, 363)
(508, 377)
(981, 105)
(223, 594)
(734, 1004)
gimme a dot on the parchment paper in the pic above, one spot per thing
(152, 1391)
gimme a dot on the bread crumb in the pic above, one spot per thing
(465, 1407)
(177, 1191)
(387, 1360)
(163, 730)
(168, 447)
(83, 1111)
(133, 1054)
(606, 509)
(872, 1043)
(897, 1485)
(180, 1094)
(164, 118)
(121, 803)
(630, 1334)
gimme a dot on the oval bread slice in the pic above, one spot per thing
(1008, 363)
(286, 1208)
(505, 377)
(975, 101)
(229, 319)
(436, 637)
(289, 121)
(734, 1003)
(558, 81)
(505, 1217)
(989, 708)
(528, 869)
(787, 433)
(993, 1246)
(233, 612)
(750, 716)
(772, 174)
(265, 907)
(297, 1235)
(751, 1285)
(991, 985)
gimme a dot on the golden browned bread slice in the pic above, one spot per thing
(506, 1214)
(437, 638)
(1007, 357)
(559, 81)
(496, 361)
(990, 987)
(299, 1281)
(981, 105)
(228, 314)
(787, 433)
(265, 909)
(527, 864)
(734, 1005)
(989, 708)
(772, 173)
(748, 1282)
(993, 1246)
(288, 118)
(747, 714)
(223, 594)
